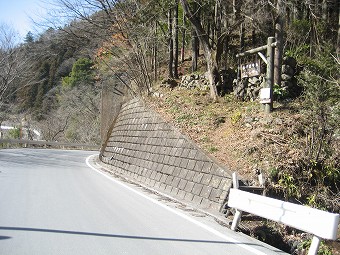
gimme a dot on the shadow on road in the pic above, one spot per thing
(5, 237)
(114, 236)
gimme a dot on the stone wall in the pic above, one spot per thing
(142, 146)
(248, 88)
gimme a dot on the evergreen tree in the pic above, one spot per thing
(81, 73)
(29, 37)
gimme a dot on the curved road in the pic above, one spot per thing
(52, 202)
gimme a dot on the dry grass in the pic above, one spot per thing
(242, 137)
(238, 134)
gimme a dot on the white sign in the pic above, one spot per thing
(250, 69)
(265, 96)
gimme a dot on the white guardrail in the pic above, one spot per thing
(49, 144)
(323, 225)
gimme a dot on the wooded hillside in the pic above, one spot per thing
(52, 81)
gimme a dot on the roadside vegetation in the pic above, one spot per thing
(54, 81)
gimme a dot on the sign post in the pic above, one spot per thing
(266, 93)
(268, 107)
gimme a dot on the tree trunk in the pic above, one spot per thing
(338, 39)
(218, 35)
(218, 19)
(176, 47)
(214, 77)
(298, 10)
(236, 10)
(194, 50)
(241, 37)
(279, 34)
(170, 45)
(253, 29)
(155, 49)
(183, 40)
(195, 46)
(324, 10)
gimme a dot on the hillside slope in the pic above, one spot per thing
(248, 141)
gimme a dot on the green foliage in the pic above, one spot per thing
(185, 117)
(323, 249)
(298, 52)
(212, 149)
(298, 34)
(279, 92)
(43, 77)
(81, 73)
(236, 117)
(289, 185)
(29, 37)
(300, 27)
(314, 178)
(14, 133)
(273, 173)
(43, 80)
(321, 94)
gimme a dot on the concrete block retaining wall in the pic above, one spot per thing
(142, 146)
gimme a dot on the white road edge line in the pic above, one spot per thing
(207, 228)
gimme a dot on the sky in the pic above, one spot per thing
(17, 13)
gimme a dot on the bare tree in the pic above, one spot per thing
(279, 34)
(170, 42)
(210, 56)
(123, 30)
(15, 68)
(338, 37)
(176, 46)
(9, 63)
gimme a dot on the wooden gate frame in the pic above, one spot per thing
(266, 93)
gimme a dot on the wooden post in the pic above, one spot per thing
(267, 95)
(268, 107)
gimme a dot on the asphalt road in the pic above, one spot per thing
(52, 202)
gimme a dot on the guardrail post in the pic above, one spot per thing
(235, 180)
(236, 220)
(314, 247)
(238, 213)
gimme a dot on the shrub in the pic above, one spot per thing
(14, 133)
(313, 177)
(81, 72)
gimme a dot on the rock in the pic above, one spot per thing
(278, 121)
(157, 94)
(248, 125)
(257, 91)
(294, 83)
(266, 120)
(290, 61)
(253, 80)
(255, 134)
(219, 120)
(194, 77)
(288, 70)
(171, 83)
(286, 84)
(193, 81)
(248, 119)
(286, 77)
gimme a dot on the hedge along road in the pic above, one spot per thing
(55, 202)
